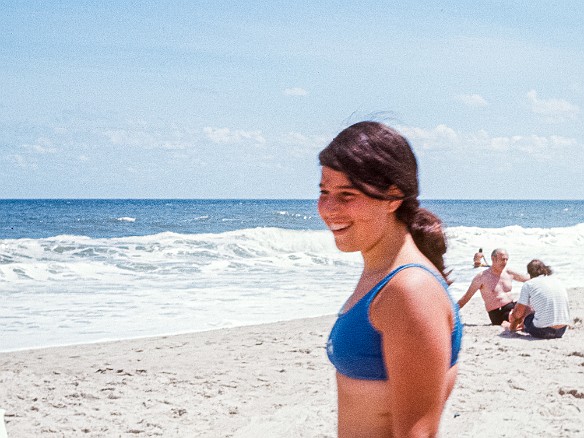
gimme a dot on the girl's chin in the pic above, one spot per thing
(345, 246)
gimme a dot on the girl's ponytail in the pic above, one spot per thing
(427, 232)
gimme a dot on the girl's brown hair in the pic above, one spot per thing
(375, 157)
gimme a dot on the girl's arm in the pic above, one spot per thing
(415, 318)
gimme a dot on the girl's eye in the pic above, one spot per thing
(341, 197)
(346, 196)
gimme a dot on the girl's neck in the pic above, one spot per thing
(389, 251)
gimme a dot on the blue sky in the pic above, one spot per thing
(217, 99)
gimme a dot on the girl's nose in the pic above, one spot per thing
(327, 205)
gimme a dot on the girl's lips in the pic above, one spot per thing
(338, 227)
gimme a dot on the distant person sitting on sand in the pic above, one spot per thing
(542, 306)
(495, 284)
(395, 343)
(479, 259)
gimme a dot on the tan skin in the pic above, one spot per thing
(517, 315)
(412, 313)
(478, 260)
(496, 282)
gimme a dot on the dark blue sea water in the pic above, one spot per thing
(117, 218)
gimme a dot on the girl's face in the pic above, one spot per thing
(357, 221)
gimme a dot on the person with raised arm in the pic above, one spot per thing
(495, 284)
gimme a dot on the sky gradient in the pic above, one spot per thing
(217, 99)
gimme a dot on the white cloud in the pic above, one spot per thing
(296, 91)
(310, 141)
(472, 100)
(553, 110)
(440, 137)
(302, 144)
(443, 138)
(227, 136)
(41, 146)
(22, 162)
(532, 145)
(147, 140)
(560, 141)
(40, 149)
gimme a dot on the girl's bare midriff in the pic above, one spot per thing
(363, 406)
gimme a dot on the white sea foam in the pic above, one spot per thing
(72, 289)
(126, 219)
(295, 215)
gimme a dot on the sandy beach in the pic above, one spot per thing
(274, 380)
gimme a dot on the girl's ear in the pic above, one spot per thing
(396, 198)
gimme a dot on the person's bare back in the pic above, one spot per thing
(479, 259)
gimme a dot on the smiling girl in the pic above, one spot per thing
(395, 343)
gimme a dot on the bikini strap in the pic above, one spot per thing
(373, 292)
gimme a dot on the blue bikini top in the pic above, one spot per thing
(354, 345)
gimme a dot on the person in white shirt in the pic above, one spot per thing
(543, 307)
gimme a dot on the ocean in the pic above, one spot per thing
(82, 271)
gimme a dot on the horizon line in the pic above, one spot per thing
(267, 199)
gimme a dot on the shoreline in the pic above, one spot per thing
(275, 380)
(163, 335)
